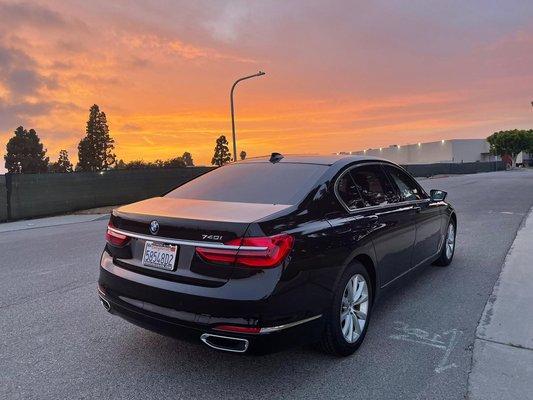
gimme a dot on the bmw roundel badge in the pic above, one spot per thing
(154, 227)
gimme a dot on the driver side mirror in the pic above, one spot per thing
(437, 195)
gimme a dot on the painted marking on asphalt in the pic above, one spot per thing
(505, 212)
(445, 341)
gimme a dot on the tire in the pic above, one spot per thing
(334, 339)
(446, 255)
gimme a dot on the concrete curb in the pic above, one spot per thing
(50, 221)
(503, 349)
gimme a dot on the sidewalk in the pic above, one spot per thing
(503, 349)
(49, 221)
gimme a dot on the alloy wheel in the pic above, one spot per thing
(450, 241)
(354, 308)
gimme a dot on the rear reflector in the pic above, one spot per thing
(114, 238)
(254, 252)
(238, 329)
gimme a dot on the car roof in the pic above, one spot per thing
(328, 159)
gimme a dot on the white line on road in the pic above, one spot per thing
(446, 341)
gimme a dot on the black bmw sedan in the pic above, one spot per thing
(271, 252)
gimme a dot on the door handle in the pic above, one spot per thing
(417, 209)
(372, 217)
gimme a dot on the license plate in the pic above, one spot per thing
(159, 255)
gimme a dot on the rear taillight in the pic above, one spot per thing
(255, 252)
(115, 238)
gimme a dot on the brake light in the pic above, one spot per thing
(115, 238)
(255, 252)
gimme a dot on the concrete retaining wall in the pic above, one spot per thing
(34, 195)
(424, 170)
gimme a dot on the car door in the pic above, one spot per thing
(352, 224)
(393, 229)
(428, 215)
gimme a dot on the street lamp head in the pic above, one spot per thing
(260, 73)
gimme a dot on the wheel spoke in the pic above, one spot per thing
(355, 285)
(360, 314)
(361, 300)
(345, 327)
(349, 324)
(344, 314)
(350, 291)
(359, 291)
(357, 327)
(345, 301)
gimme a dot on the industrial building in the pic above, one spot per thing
(443, 151)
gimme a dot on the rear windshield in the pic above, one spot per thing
(266, 183)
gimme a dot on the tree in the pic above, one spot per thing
(530, 141)
(222, 154)
(25, 153)
(62, 164)
(187, 159)
(136, 164)
(175, 162)
(141, 164)
(510, 142)
(120, 164)
(243, 155)
(95, 150)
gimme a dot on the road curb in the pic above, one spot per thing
(502, 363)
(50, 221)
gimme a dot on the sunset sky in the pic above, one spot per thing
(341, 75)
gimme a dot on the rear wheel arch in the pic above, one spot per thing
(370, 267)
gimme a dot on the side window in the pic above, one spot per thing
(374, 186)
(348, 192)
(409, 190)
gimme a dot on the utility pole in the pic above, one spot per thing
(233, 111)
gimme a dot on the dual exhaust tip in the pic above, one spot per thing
(218, 342)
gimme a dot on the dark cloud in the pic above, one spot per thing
(22, 113)
(70, 46)
(31, 13)
(19, 74)
(13, 115)
(61, 65)
(138, 62)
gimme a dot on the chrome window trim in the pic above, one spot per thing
(399, 168)
(370, 208)
(184, 242)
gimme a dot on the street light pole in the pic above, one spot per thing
(233, 111)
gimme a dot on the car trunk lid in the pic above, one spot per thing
(187, 224)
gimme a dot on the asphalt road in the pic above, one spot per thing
(56, 340)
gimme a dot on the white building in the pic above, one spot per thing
(443, 151)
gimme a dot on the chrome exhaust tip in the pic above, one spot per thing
(225, 343)
(105, 303)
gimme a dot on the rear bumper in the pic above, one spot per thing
(186, 316)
